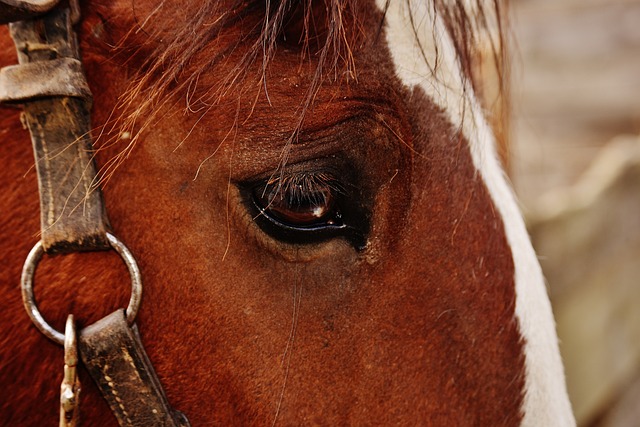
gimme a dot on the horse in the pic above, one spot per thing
(312, 193)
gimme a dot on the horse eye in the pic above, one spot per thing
(300, 201)
(306, 208)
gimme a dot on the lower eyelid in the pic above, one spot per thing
(245, 223)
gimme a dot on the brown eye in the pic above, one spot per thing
(302, 200)
(307, 207)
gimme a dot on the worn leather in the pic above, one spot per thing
(113, 353)
(18, 10)
(51, 85)
(44, 79)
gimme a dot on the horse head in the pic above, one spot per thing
(314, 198)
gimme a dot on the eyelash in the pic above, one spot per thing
(307, 207)
(313, 190)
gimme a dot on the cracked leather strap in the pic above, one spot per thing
(64, 77)
(51, 86)
(112, 352)
(18, 10)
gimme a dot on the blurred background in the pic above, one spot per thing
(575, 164)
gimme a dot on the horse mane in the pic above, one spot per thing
(169, 60)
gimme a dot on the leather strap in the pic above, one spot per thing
(51, 85)
(18, 10)
(112, 352)
(58, 77)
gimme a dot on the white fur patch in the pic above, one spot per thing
(546, 402)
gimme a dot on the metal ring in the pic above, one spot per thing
(26, 283)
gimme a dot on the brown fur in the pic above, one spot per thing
(417, 329)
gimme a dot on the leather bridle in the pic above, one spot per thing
(50, 85)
